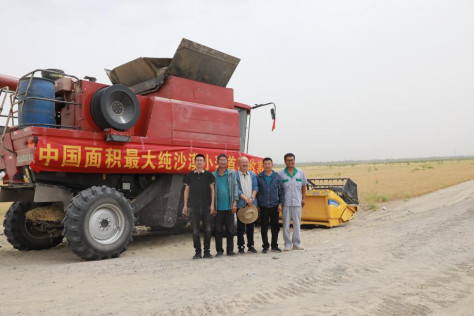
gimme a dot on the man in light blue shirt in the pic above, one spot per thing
(248, 189)
(294, 186)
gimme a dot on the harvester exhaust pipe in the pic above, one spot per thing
(8, 81)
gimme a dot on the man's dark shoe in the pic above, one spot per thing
(207, 255)
(252, 250)
(219, 254)
(276, 249)
(265, 250)
(231, 253)
(197, 255)
(241, 251)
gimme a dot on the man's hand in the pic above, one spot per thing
(280, 208)
(234, 208)
(212, 210)
(185, 212)
(303, 203)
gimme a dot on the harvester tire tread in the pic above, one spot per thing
(77, 219)
(19, 235)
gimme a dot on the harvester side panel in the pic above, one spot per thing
(200, 125)
(159, 125)
(158, 205)
(8, 158)
(193, 91)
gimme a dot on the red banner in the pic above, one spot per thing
(92, 156)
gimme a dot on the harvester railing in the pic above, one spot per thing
(16, 104)
(11, 113)
(57, 101)
(343, 187)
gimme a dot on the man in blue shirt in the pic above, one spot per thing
(270, 201)
(226, 205)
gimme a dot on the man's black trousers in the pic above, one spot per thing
(271, 214)
(225, 219)
(241, 229)
(197, 215)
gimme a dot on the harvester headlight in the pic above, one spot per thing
(333, 202)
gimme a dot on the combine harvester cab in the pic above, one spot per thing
(330, 202)
(89, 161)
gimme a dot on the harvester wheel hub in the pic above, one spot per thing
(117, 107)
(106, 224)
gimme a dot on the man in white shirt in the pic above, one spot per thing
(248, 188)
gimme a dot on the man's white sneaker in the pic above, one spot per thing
(287, 249)
(298, 248)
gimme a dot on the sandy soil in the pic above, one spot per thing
(415, 257)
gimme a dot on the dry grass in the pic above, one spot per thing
(381, 182)
(46, 213)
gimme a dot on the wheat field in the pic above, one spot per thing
(388, 181)
(382, 182)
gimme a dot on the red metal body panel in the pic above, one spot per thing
(156, 122)
(193, 91)
(82, 115)
(242, 106)
(204, 126)
(7, 161)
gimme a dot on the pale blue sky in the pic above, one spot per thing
(351, 79)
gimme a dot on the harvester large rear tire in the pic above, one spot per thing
(99, 223)
(22, 234)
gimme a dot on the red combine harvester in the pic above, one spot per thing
(89, 161)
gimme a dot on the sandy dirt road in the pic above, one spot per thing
(414, 258)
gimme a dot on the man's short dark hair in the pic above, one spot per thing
(222, 155)
(289, 155)
(267, 159)
(199, 155)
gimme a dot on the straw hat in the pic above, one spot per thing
(248, 214)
